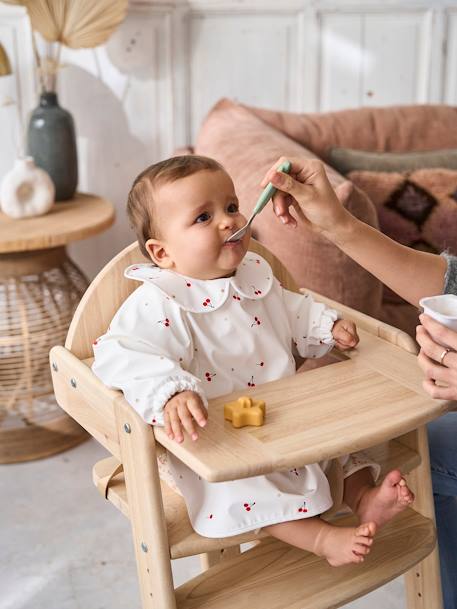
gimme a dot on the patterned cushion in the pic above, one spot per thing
(417, 209)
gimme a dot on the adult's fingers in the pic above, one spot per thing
(439, 393)
(433, 370)
(305, 170)
(439, 333)
(267, 177)
(433, 350)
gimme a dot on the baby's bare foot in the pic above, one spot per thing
(343, 545)
(380, 504)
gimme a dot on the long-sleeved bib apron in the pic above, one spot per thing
(176, 333)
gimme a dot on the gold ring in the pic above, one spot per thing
(443, 355)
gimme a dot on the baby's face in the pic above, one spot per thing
(194, 216)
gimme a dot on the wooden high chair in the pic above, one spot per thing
(370, 400)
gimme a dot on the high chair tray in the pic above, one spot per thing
(327, 412)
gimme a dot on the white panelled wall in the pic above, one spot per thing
(146, 92)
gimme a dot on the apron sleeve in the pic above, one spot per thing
(146, 353)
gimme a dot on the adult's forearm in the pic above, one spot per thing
(410, 273)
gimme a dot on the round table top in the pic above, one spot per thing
(82, 216)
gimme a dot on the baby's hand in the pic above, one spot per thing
(345, 334)
(181, 411)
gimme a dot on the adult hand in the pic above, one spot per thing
(182, 411)
(437, 364)
(307, 189)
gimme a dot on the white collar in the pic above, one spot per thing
(253, 280)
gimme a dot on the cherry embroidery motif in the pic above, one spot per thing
(257, 322)
(209, 376)
(188, 284)
(210, 517)
(251, 382)
(256, 291)
(294, 471)
(303, 508)
(261, 364)
(207, 303)
(236, 297)
(248, 506)
(165, 322)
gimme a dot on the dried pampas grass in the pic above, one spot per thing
(5, 66)
(75, 23)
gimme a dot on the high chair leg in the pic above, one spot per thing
(147, 517)
(423, 582)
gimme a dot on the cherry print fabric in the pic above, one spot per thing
(176, 333)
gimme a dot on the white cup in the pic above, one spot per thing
(442, 308)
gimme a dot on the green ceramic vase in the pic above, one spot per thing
(51, 142)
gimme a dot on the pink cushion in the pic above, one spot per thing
(395, 129)
(247, 147)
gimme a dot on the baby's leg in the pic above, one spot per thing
(339, 545)
(377, 504)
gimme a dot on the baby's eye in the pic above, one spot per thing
(202, 217)
(233, 208)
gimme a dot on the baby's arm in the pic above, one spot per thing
(410, 273)
(146, 354)
(311, 324)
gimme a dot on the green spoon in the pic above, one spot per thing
(265, 196)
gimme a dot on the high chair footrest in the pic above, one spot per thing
(273, 575)
(183, 540)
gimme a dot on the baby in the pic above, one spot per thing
(209, 319)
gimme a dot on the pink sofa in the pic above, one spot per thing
(248, 140)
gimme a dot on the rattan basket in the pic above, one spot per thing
(38, 296)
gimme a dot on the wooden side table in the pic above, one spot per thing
(40, 288)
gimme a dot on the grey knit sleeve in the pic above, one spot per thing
(450, 279)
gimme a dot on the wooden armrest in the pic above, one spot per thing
(388, 333)
(85, 398)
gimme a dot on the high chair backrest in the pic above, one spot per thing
(110, 288)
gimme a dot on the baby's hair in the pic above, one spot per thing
(140, 203)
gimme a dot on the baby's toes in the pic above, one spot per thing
(366, 530)
(406, 496)
(357, 558)
(361, 549)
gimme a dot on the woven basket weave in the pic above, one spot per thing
(38, 297)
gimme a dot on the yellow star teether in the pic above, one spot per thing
(245, 411)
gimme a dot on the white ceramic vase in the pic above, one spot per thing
(26, 190)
